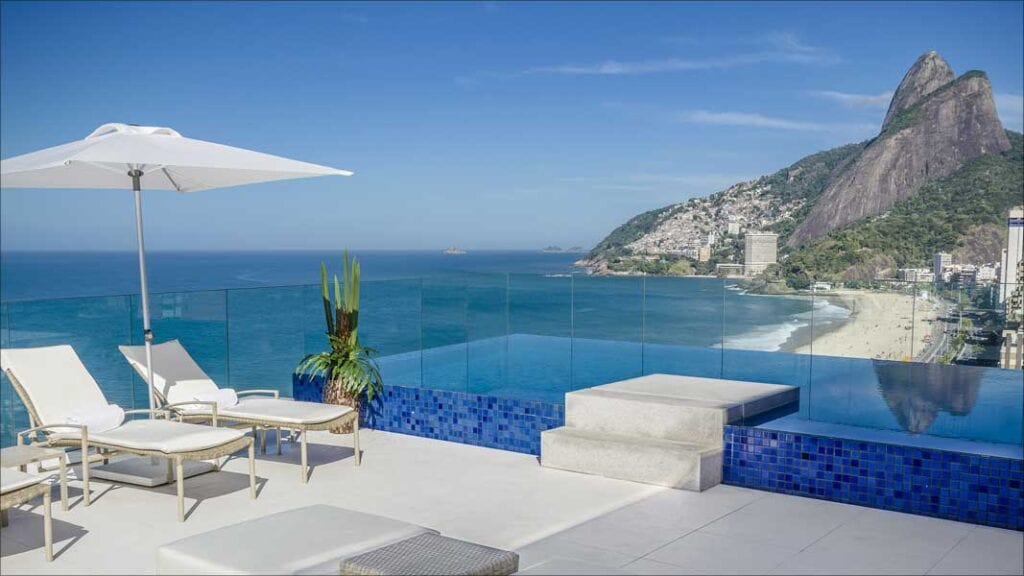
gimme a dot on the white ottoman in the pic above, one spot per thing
(310, 540)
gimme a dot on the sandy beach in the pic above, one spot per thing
(879, 326)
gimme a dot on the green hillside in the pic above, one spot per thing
(937, 218)
(804, 180)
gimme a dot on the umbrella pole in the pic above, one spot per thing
(147, 334)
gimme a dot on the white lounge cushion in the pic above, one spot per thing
(164, 436)
(55, 380)
(12, 479)
(285, 411)
(310, 540)
(96, 419)
(224, 397)
(175, 374)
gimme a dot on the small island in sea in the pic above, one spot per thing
(560, 250)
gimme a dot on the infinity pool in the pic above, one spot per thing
(965, 403)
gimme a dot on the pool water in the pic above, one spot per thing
(965, 403)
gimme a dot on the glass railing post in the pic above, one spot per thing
(572, 333)
(227, 336)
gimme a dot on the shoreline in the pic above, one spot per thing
(803, 337)
(881, 325)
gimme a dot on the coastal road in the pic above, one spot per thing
(940, 335)
(940, 339)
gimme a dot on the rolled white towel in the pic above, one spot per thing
(224, 397)
(97, 419)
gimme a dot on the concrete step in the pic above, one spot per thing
(671, 463)
(740, 400)
(645, 415)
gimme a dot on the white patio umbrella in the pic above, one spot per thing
(136, 157)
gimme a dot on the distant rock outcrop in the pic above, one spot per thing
(932, 129)
(939, 176)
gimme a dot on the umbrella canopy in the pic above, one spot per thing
(136, 157)
(167, 160)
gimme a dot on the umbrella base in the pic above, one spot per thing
(145, 470)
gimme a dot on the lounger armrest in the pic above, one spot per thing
(146, 411)
(33, 432)
(275, 393)
(179, 408)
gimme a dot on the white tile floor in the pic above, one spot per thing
(507, 500)
(728, 530)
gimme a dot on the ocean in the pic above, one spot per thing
(767, 323)
(35, 275)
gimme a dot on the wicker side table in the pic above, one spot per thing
(432, 555)
(20, 456)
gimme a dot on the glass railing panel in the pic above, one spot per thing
(965, 392)
(487, 318)
(863, 332)
(443, 327)
(389, 322)
(540, 335)
(199, 320)
(608, 329)
(683, 326)
(94, 327)
(766, 333)
(9, 425)
(947, 384)
(266, 335)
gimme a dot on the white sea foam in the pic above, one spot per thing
(772, 337)
(766, 338)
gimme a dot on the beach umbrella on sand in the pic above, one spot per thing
(134, 158)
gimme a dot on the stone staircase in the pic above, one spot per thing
(658, 429)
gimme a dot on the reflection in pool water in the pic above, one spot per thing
(917, 395)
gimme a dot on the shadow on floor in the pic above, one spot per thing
(25, 532)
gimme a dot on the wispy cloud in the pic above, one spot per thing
(1011, 109)
(755, 120)
(856, 100)
(776, 47)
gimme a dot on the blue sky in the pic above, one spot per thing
(486, 125)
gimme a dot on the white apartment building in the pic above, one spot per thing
(1013, 253)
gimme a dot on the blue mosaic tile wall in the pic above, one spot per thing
(957, 486)
(503, 423)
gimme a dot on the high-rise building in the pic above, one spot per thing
(913, 274)
(968, 275)
(760, 251)
(943, 260)
(704, 253)
(988, 273)
(1013, 253)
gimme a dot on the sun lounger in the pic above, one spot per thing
(283, 543)
(62, 398)
(179, 382)
(16, 488)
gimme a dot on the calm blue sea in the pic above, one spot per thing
(34, 275)
(519, 324)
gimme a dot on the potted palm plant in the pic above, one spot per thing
(350, 374)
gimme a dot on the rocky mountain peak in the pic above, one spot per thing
(936, 124)
(929, 73)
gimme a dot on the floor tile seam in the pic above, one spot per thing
(704, 525)
(950, 550)
(630, 557)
